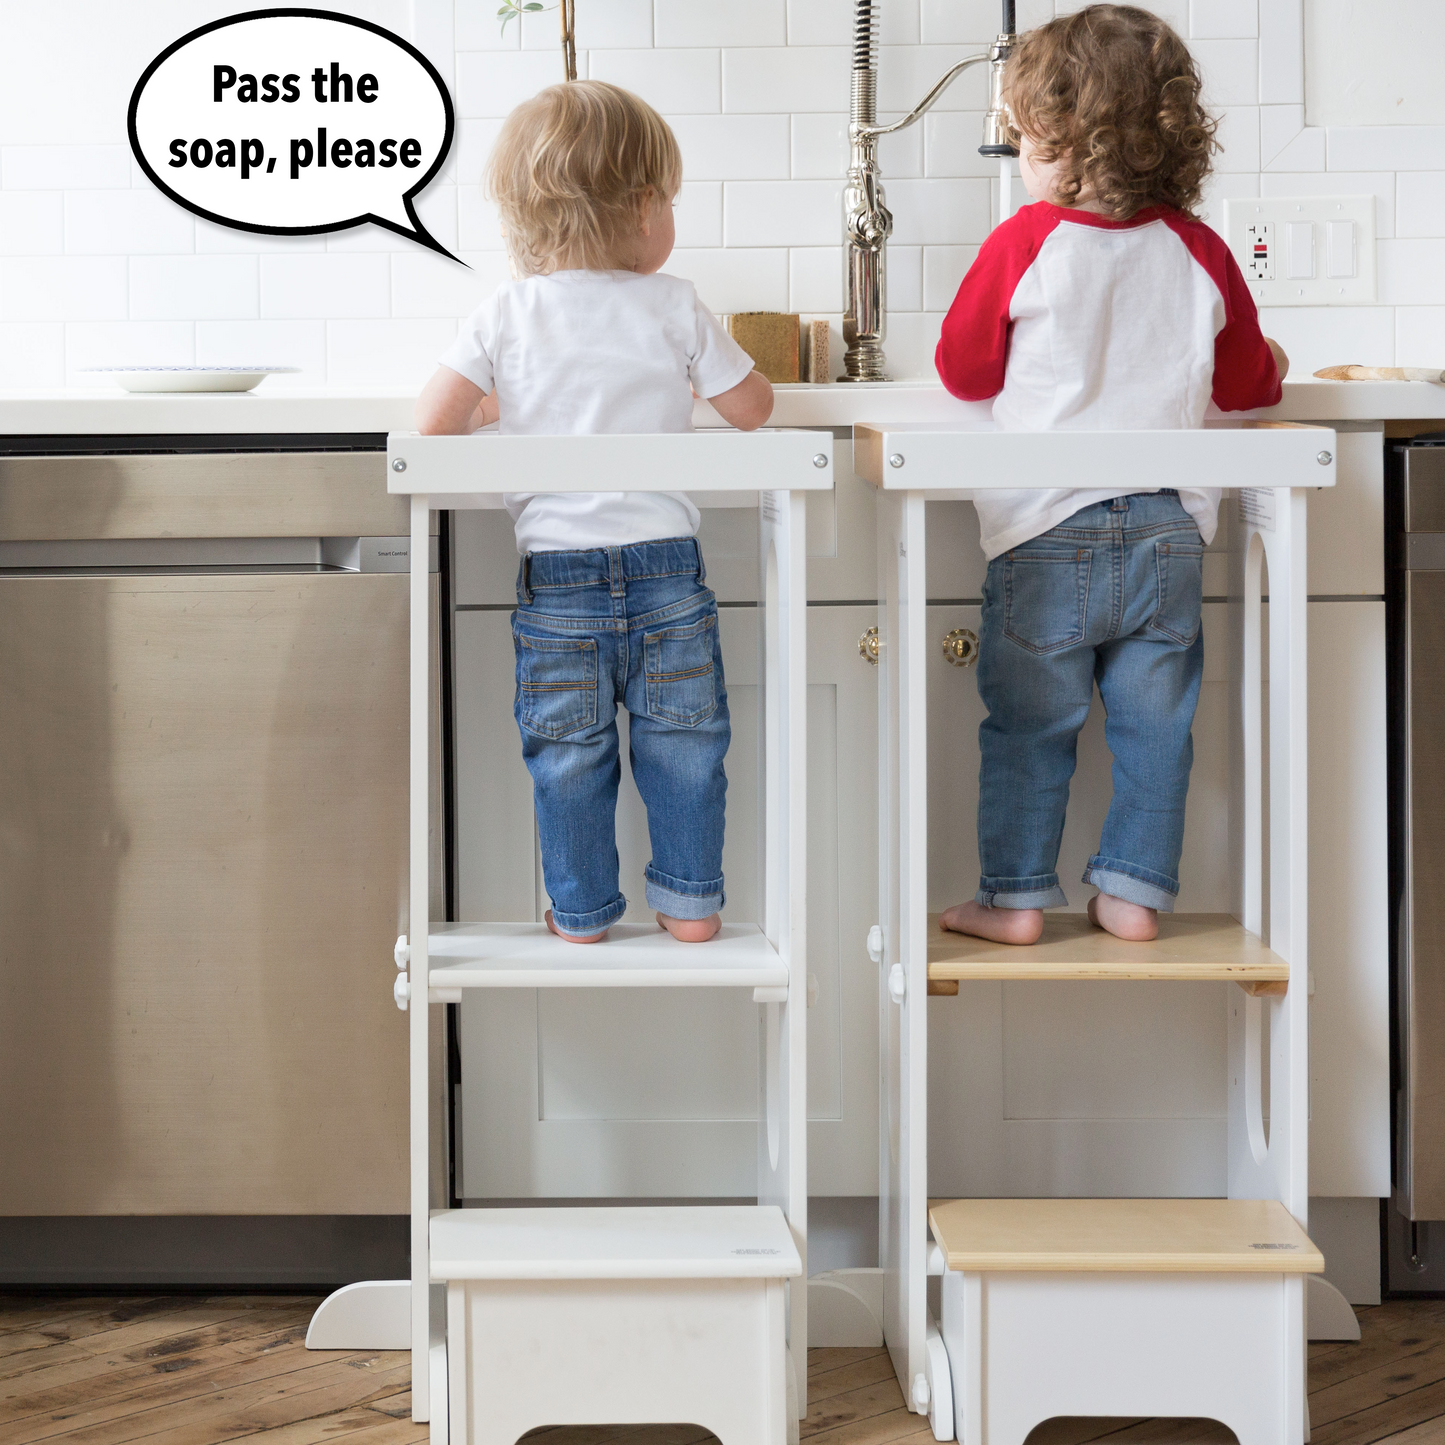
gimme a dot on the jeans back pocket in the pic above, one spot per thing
(681, 678)
(556, 684)
(1179, 567)
(1046, 597)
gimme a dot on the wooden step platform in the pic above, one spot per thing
(705, 1241)
(633, 955)
(1195, 947)
(1254, 1236)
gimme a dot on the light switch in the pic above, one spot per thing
(1301, 250)
(1340, 248)
(1304, 250)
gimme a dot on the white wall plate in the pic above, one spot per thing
(1305, 251)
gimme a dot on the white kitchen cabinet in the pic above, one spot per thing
(623, 1093)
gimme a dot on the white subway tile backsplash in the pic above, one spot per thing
(782, 213)
(425, 284)
(193, 288)
(1420, 203)
(1420, 336)
(62, 288)
(950, 143)
(1230, 69)
(326, 286)
(214, 240)
(909, 346)
(475, 139)
(741, 279)
(266, 343)
(683, 23)
(1223, 19)
(1380, 184)
(676, 82)
(815, 278)
(939, 212)
(495, 82)
(32, 353)
(613, 25)
(830, 22)
(905, 278)
(1223, 186)
(1412, 272)
(698, 214)
(1318, 336)
(733, 147)
(820, 145)
(32, 223)
(64, 168)
(953, 22)
(385, 352)
(479, 223)
(1306, 152)
(128, 222)
(906, 73)
(811, 77)
(944, 268)
(1385, 147)
(479, 27)
(1238, 137)
(126, 343)
(1281, 52)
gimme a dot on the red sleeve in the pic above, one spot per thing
(1245, 375)
(973, 349)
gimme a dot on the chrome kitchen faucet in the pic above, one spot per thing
(869, 222)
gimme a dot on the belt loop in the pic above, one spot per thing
(701, 565)
(524, 581)
(617, 581)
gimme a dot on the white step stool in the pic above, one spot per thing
(624, 1315)
(634, 1315)
(1119, 1307)
(1116, 1307)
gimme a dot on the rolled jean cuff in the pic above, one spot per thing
(679, 898)
(584, 925)
(1132, 883)
(1040, 891)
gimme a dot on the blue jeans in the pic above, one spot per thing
(633, 625)
(1111, 596)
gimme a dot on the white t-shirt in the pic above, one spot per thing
(589, 352)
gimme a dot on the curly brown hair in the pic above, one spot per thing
(1113, 92)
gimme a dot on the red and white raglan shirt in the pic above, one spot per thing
(1075, 322)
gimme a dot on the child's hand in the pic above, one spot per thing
(449, 403)
(1280, 359)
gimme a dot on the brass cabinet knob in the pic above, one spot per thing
(868, 646)
(960, 647)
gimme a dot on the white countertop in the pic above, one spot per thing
(110, 411)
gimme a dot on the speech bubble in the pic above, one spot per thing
(293, 123)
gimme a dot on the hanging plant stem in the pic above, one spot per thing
(567, 14)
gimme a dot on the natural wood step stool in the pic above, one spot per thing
(1122, 1307)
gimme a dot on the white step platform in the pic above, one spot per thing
(633, 955)
(1121, 1307)
(616, 1316)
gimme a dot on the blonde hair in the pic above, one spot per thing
(1114, 92)
(573, 170)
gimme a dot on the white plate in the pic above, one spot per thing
(190, 378)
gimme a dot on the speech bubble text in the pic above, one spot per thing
(294, 123)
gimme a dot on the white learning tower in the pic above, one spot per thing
(1115, 1307)
(596, 1315)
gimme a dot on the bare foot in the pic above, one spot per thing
(1130, 921)
(572, 938)
(1001, 925)
(690, 930)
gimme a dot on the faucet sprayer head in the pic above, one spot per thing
(997, 122)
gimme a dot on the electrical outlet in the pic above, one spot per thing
(1305, 251)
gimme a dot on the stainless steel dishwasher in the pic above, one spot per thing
(203, 825)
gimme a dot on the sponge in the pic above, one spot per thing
(771, 339)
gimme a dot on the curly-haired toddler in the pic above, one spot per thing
(1105, 305)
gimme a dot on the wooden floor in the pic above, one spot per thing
(194, 1371)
